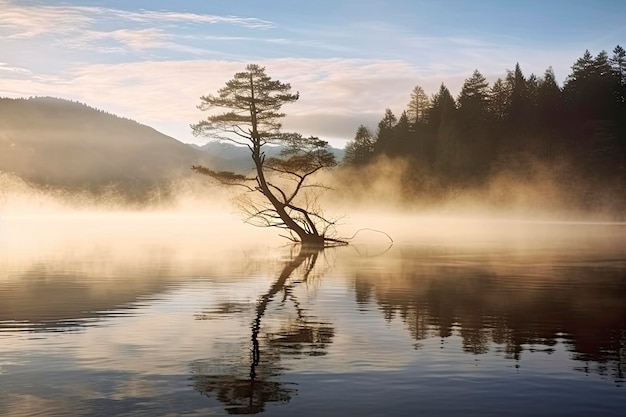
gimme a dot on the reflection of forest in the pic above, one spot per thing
(245, 381)
(581, 306)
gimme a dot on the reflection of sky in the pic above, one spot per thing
(144, 340)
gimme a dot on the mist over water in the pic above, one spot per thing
(528, 190)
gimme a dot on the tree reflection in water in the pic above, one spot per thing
(245, 384)
(509, 311)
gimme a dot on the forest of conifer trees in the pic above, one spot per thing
(508, 125)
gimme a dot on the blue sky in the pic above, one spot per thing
(151, 60)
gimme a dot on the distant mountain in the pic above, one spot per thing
(62, 143)
(226, 156)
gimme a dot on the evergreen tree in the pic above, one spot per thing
(595, 113)
(606, 83)
(442, 128)
(590, 90)
(498, 115)
(578, 88)
(520, 129)
(472, 120)
(474, 97)
(532, 104)
(549, 100)
(418, 106)
(442, 108)
(618, 64)
(581, 70)
(417, 114)
(499, 97)
(385, 132)
(550, 113)
(401, 139)
(359, 150)
(519, 102)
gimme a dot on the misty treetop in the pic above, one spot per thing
(463, 140)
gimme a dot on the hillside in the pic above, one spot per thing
(56, 142)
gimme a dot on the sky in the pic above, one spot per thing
(349, 59)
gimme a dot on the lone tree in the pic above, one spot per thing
(280, 190)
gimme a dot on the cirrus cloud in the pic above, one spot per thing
(107, 30)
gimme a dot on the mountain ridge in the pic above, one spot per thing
(61, 143)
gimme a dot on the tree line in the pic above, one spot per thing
(463, 140)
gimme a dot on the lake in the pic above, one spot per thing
(158, 314)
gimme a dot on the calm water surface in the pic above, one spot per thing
(530, 320)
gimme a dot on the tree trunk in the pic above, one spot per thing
(306, 238)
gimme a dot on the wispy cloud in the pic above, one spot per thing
(4, 67)
(22, 22)
(123, 40)
(178, 17)
(87, 27)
